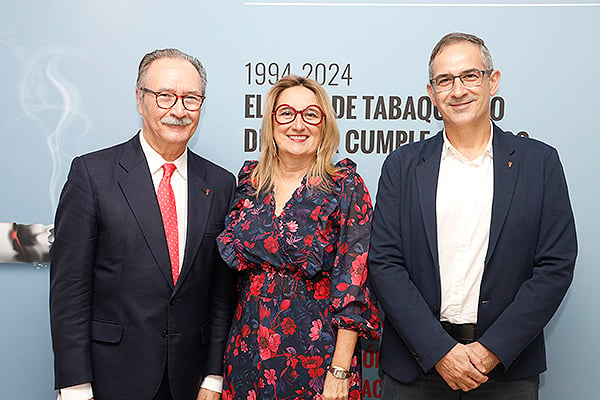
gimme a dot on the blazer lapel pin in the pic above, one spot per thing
(510, 163)
(206, 192)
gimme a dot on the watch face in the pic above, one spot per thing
(339, 374)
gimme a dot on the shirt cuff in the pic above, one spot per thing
(213, 382)
(77, 392)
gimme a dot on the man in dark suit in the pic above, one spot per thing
(140, 300)
(473, 245)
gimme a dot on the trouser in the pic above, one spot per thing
(433, 387)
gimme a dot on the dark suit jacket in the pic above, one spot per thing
(116, 317)
(528, 266)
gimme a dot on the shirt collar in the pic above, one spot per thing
(448, 149)
(155, 160)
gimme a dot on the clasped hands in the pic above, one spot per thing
(465, 367)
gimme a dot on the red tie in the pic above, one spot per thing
(166, 202)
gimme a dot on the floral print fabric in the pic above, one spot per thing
(303, 277)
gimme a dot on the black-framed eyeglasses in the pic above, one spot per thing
(167, 100)
(285, 114)
(471, 78)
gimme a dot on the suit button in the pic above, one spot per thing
(436, 309)
(165, 334)
(173, 301)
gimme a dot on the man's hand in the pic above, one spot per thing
(458, 371)
(483, 359)
(205, 394)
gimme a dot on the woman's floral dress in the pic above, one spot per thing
(303, 276)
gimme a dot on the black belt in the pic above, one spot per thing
(462, 333)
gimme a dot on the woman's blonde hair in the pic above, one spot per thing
(266, 170)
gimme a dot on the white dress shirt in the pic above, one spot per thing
(464, 198)
(180, 190)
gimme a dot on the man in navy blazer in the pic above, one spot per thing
(132, 316)
(473, 245)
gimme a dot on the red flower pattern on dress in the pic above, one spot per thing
(271, 376)
(238, 342)
(343, 249)
(245, 330)
(358, 270)
(288, 326)
(256, 285)
(268, 342)
(292, 226)
(245, 225)
(299, 271)
(314, 215)
(315, 331)
(322, 290)
(264, 312)
(308, 240)
(313, 365)
(271, 244)
(225, 239)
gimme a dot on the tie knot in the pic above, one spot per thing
(169, 169)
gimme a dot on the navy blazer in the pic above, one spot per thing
(116, 317)
(528, 267)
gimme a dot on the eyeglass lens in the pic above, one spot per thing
(285, 114)
(168, 100)
(472, 78)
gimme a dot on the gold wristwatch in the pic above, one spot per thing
(338, 372)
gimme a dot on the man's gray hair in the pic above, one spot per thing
(457, 37)
(168, 53)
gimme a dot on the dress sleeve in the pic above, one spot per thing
(227, 241)
(353, 305)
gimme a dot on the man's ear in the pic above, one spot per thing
(431, 94)
(138, 97)
(494, 82)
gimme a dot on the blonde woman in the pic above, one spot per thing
(299, 234)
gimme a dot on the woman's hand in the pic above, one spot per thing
(335, 389)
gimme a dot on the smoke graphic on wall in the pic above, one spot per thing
(53, 102)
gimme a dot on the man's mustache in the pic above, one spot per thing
(176, 121)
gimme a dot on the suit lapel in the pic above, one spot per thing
(427, 177)
(200, 196)
(138, 189)
(506, 171)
